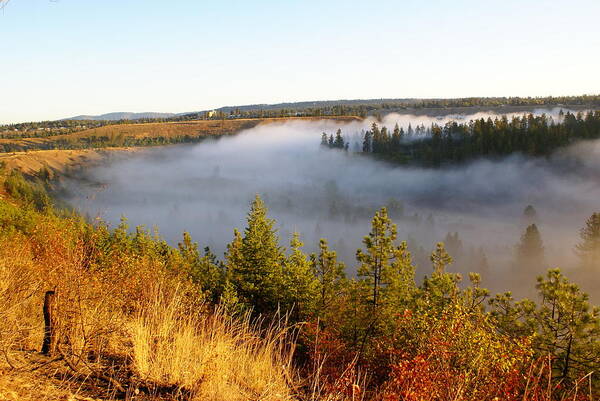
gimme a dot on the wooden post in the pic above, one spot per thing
(49, 344)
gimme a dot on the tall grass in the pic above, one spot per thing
(117, 302)
(212, 356)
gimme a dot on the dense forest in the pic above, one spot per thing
(377, 335)
(458, 142)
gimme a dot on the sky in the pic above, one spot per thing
(60, 58)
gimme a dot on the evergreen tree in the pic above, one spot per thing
(301, 285)
(588, 248)
(330, 276)
(563, 325)
(338, 143)
(324, 141)
(530, 250)
(382, 263)
(400, 280)
(229, 300)
(396, 138)
(440, 258)
(567, 325)
(367, 142)
(204, 270)
(480, 263)
(454, 245)
(442, 287)
(256, 262)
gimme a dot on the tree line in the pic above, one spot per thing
(459, 142)
(102, 141)
(383, 315)
(363, 108)
(360, 108)
(45, 129)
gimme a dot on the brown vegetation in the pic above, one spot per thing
(55, 161)
(128, 321)
(193, 129)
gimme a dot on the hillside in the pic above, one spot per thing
(129, 317)
(122, 116)
(144, 134)
(56, 161)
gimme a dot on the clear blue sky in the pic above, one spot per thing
(67, 57)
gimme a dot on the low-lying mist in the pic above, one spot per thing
(206, 189)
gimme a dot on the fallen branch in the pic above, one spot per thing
(41, 365)
(93, 373)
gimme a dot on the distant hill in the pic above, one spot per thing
(317, 103)
(122, 116)
(362, 107)
(226, 109)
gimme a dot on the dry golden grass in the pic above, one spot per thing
(59, 161)
(56, 161)
(195, 128)
(214, 357)
(130, 318)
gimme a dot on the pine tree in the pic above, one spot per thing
(367, 142)
(382, 262)
(229, 300)
(233, 255)
(530, 251)
(301, 285)
(330, 275)
(440, 258)
(480, 263)
(410, 131)
(324, 141)
(589, 247)
(400, 279)
(567, 325)
(204, 270)
(454, 245)
(376, 138)
(256, 262)
(563, 325)
(338, 143)
(356, 320)
(442, 287)
(396, 138)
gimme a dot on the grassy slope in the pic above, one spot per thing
(132, 313)
(168, 129)
(57, 161)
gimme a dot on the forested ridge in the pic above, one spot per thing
(379, 335)
(361, 108)
(457, 142)
(378, 107)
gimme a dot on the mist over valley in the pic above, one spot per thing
(206, 190)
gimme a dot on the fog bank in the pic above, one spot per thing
(206, 189)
